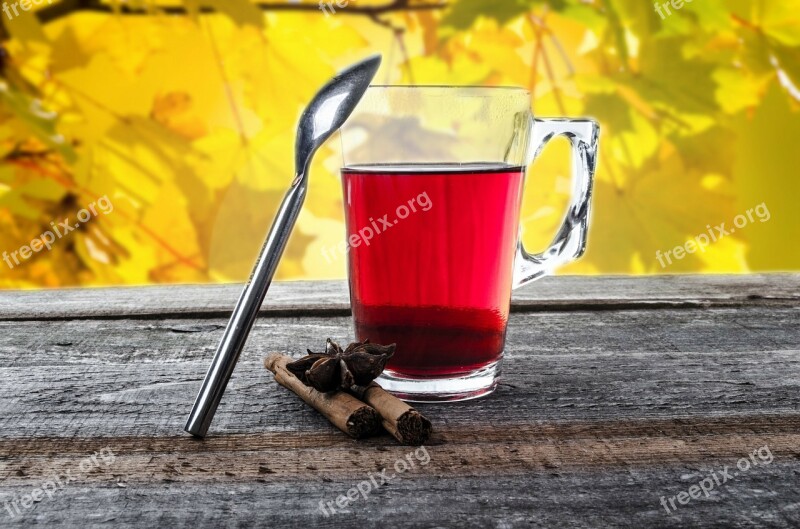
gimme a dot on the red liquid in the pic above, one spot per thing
(437, 282)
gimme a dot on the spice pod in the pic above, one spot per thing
(350, 415)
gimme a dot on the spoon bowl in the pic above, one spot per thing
(330, 108)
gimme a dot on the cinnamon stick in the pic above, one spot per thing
(344, 411)
(406, 424)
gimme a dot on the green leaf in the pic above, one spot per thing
(610, 109)
(667, 76)
(25, 200)
(464, 12)
(712, 15)
(587, 15)
(765, 171)
(617, 31)
(788, 60)
(40, 121)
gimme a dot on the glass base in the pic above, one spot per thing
(468, 386)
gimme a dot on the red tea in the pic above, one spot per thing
(431, 251)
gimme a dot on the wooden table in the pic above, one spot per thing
(617, 392)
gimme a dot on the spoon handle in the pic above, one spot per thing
(245, 312)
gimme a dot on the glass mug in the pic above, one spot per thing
(433, 181)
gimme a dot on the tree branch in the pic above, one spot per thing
(66, 7)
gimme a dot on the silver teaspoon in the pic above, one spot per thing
(326, 113)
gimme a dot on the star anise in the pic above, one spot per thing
(338, 369)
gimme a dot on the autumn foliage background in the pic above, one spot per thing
(183, 114)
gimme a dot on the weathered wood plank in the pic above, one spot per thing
(129, 378)
(766, 496)
(513, 449)
(331, 297)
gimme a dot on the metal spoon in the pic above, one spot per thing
(328, 111)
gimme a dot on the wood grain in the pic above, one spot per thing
(325, 298)
(616, 392)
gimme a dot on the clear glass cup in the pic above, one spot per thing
(433, 182)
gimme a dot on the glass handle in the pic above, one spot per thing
(570, 241)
